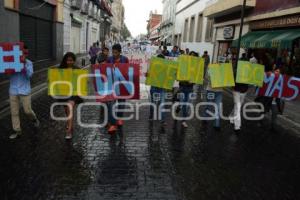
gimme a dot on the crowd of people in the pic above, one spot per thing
(20, 92)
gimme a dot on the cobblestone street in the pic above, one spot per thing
(146, 161)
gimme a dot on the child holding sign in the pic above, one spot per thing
(68, 62)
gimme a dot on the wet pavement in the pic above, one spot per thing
(147, 162)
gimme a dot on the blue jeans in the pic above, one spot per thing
(214, 97)
(185, 92)
(158, 98)
(111, 119)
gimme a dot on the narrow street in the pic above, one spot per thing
(147, 162)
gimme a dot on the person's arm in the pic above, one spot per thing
(28, 69)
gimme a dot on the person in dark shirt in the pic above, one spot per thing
(185, 91)
(165, 51)
(239, 95)
(116, 58)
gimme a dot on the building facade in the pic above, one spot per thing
(37, 23)
(192, 30)
(271, 30)
(118, 12)
(168, 21)
(153, 26)
(81, 24)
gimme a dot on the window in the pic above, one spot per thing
(209, 30)
(192, 29)
(175, 40)
(185, 31)
(199, 28)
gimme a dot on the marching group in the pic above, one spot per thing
(20, 91)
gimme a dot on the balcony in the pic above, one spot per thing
(91, 10)
(85, 7)
(225, 7)
(76, 4)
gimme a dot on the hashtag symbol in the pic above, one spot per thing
(11, 57)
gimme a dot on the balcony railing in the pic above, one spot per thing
(76, 4)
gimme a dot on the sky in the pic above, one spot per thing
(137, 13)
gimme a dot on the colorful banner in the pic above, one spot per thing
(280, 86)
(116, 81)
(12, 59)
(190, 69)
(221, 75)
(162, 73)
(249, 73)
(67, 82)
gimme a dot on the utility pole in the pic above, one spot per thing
(241, 31)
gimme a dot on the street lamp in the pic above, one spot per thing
(241, 31)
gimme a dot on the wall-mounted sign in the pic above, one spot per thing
(228, 32)
(286, 21)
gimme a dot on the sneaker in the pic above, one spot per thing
(15, 135)
(112, 129)
(36, 123)
(120, 122)
(68, 136)
(184, 125)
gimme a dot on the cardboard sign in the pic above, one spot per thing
(116, 81)
(249, 73)
(221, 75)
(67, 82)
(162, 73)
(190, 69)
(279, 86)
(12, 59)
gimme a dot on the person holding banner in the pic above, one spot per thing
(175, 52)
(185, 92)
(213, 95)
(19, 91)
(239, 95)
(68, 62)
(158, 98)
(114, 123)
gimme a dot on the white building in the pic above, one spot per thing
(118, 12)
(193, 30)
(168, 21)
(81, 25)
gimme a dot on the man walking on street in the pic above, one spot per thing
(113, 122)
(239, 95)
(19, 91)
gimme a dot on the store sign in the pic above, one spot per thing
(276, 23)
(228, 32)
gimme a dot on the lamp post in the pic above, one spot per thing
(241, 31)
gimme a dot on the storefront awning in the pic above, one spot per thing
(269, 39)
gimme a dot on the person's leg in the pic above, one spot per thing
(152, 96)
(162, 99)
(218, 101)
(26, 102)
(237, 110)
(69, 109)
(14, 108)
(210, 97)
